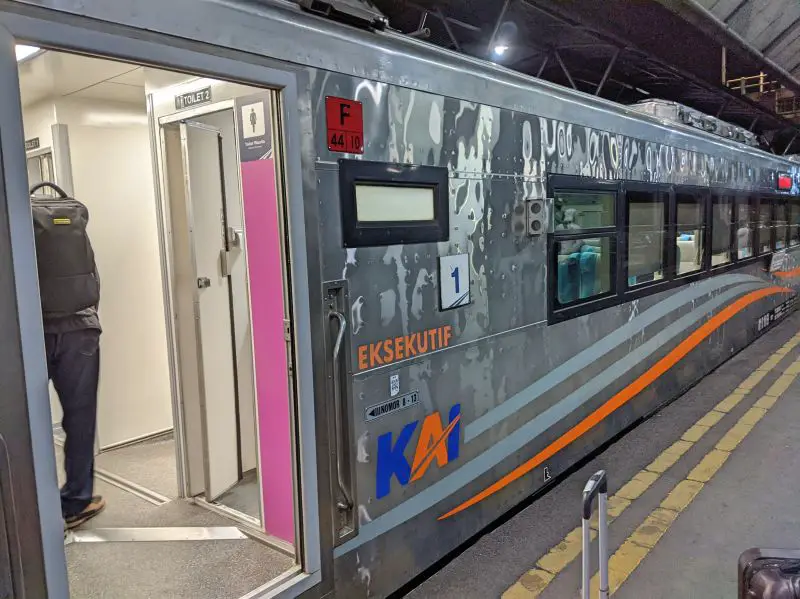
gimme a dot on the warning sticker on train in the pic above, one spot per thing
(779, 261)
(775, 314)
(344, 120)
(392, 405)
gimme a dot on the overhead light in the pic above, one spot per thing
(500, 49)
(24, 52)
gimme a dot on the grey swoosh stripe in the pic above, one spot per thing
(495, 454)
(600, 348)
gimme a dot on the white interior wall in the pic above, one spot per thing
(38, 120)
(113, 176)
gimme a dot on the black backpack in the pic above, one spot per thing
(68, 280)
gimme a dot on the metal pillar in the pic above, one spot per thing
(450, 20)
(564, 68)
(62, 158)
(608, 72)
(544, 64)
(724, 66)
(791, 141)
(422, 32)
(448, 29)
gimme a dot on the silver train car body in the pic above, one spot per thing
(499, 396)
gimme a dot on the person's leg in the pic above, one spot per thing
(75, 377)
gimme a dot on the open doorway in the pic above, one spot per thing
(193, 419)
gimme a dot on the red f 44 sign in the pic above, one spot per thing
(344, 120)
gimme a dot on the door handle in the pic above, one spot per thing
(203, 283)
(337, 412)
(235, 237)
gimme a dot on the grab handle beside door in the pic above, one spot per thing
(347, 503)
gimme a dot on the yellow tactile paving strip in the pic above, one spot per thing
(635, 548)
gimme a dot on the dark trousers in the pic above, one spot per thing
(73, 364)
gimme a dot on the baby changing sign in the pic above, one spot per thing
(254, 127)
(344, 121)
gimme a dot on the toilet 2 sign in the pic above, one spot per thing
(454, 281)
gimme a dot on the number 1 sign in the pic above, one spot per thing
(454, 281)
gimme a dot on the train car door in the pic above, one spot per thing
(205, 194)
(32, 562)
(36, 550)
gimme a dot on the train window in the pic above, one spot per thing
(746, 219)
(690, 233)
(584, 268)
(764, 226)
(387, 203)
(781, 224)
(667, 236)
(376, 203)
(794, 221)
(583, 210)
(646, 227)
(721, 221)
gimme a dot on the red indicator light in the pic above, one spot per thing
(784, 182)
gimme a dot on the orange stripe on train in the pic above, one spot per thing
(623, 397)
(788, 274)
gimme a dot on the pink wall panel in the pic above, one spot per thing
(265, 267)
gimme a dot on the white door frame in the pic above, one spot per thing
(95, 38)
(182, 443)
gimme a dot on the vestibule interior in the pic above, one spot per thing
(161, 171)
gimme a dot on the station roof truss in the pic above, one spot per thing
(619, 50)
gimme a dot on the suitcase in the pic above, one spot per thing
(769, 574)
(596, 486)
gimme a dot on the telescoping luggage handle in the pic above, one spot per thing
(597, 486)
(44, 184)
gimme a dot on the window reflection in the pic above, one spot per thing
(746, 223)
(645, 237)
(584, 262)
(689, 255)
(584, 210)
(781, 225)
(764, 226)
(584, 269)
(721, 219)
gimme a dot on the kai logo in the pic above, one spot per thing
(435, 442)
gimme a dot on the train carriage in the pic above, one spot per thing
(491, 276)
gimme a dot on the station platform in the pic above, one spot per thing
(708, 477)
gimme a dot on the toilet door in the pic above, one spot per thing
(205, 188)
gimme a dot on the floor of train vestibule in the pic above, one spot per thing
(209, 569)
(151, 464)
(696, 556)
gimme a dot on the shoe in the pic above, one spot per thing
(90, 511)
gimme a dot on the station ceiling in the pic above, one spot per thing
(627, 51)
(770, 27)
